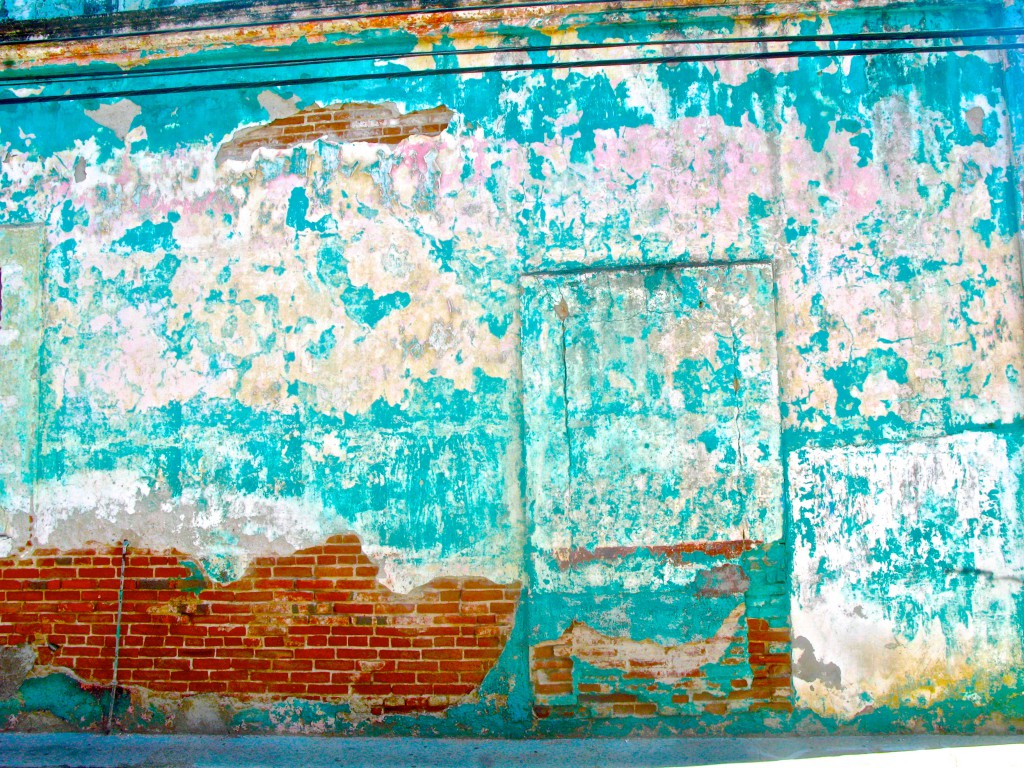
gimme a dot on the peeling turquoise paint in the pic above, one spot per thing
(63, 698)
(247, 358)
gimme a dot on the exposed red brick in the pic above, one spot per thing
(378, 123)
(763, 649)
(316, 624)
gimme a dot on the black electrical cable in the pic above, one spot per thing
(618, 5)
(527, 67)
(164, 71)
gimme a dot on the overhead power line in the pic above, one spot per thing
(520, 67)
(164, 71)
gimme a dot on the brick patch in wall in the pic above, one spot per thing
(377, 123)
(313, 625)
(745, 666)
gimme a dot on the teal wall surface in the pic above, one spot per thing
(688, 349)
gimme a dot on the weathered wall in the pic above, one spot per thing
(634, 398)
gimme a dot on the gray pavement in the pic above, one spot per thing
(94, 751)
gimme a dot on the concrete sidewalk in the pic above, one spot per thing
(82, 750)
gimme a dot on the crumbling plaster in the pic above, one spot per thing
(239, 358)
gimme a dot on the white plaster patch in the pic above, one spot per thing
(117, 116)
(665, 663)
(907, 568)
(631, 574)
(106, 507)
(645, 91)
(277, 106)
(87, 499)
(403, 571)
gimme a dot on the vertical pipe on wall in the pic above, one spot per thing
(117, 635)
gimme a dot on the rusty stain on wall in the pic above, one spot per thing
(567, 558)
(468, 28)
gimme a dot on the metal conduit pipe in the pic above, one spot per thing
(117, 636)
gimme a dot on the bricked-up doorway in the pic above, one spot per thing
(653, 484)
